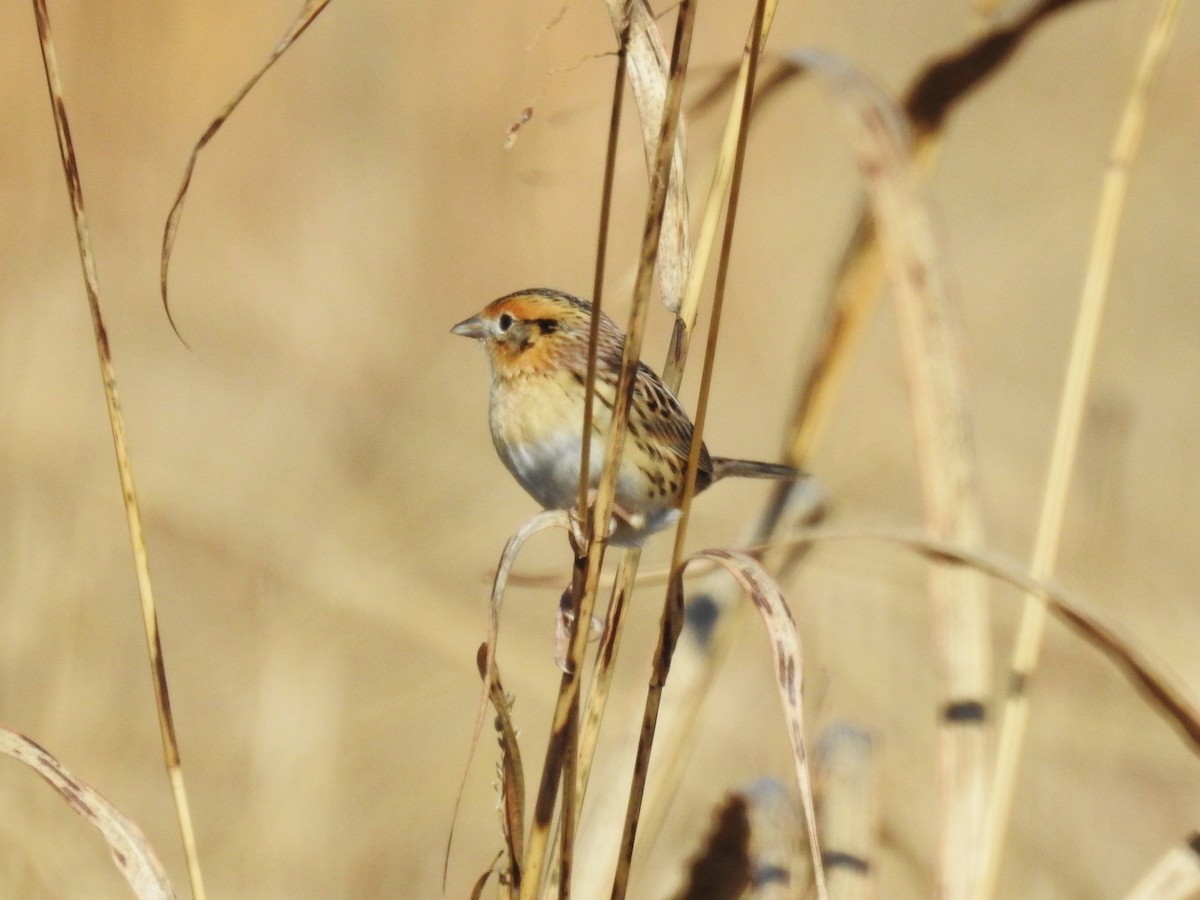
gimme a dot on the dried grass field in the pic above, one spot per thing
(323, 507)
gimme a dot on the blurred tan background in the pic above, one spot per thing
(322, 500)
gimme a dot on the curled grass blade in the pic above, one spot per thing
(555, 518)
(784, 642)
(131, 852)
(309, 12)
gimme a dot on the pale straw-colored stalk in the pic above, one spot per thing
(1066, 438)
(133, 516)
(588, 569)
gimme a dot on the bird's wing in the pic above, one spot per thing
(665, 421)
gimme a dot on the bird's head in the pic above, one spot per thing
(537, 330)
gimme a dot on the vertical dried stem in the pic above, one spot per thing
(717, 192)
(133, 518)
(1066, 439)
(575, 778)
(588, 568)
(672, 612)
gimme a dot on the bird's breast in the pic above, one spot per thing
(536, 424)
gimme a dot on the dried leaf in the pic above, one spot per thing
(133, 516)
(131, 852)
(789, 673)
(540, 522)
(512, 786)
(648, 76)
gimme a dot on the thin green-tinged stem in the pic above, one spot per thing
(1066, 437)
(133, 517)
(587, 569)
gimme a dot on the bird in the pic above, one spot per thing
(536, 341)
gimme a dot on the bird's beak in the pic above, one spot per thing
(473, 327)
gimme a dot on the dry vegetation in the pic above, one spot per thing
(322, 506)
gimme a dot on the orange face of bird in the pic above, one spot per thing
(530, 331)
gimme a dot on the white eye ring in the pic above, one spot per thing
(505, 322)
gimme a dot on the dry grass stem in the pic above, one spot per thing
(577, 765)
(309, 12)
(753, 51)
(133, 515)
(674, 603)
(587, 569)
(1066, 438)
(717, 194)
(1175, 877)
(736, 129)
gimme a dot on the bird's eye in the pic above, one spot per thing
(505, 321)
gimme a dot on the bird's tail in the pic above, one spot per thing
(744, 468)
